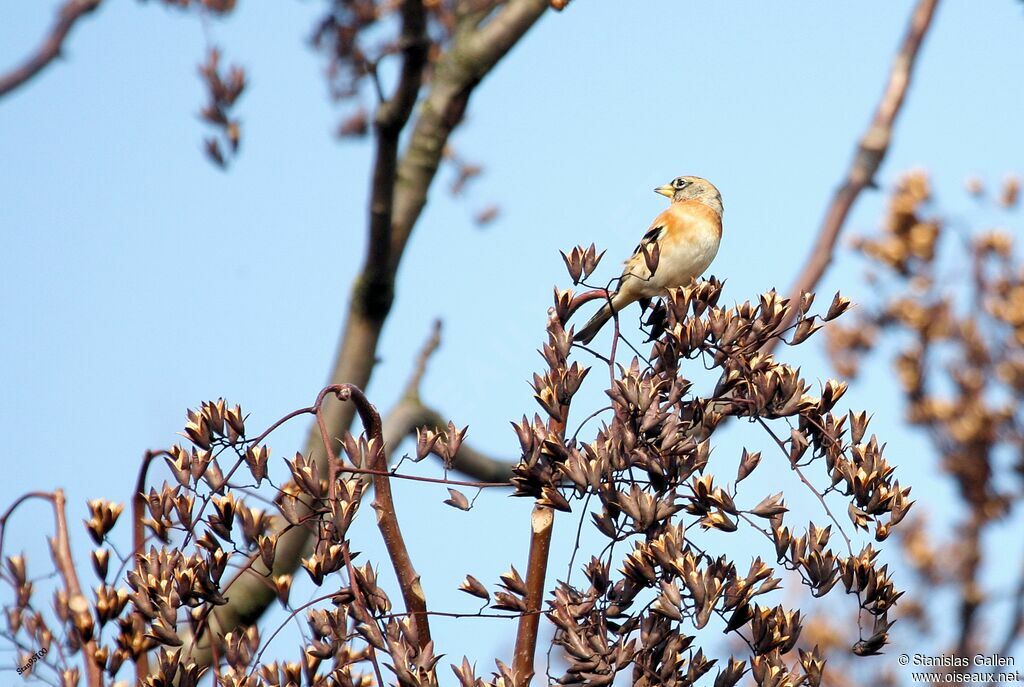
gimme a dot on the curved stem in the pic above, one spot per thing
(49, 50)
(387, 519)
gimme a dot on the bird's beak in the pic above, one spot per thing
(665, 190)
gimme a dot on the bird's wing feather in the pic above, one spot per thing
(652, 235)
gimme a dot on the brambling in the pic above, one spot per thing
(686, 238)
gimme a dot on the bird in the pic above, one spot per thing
(687, 236)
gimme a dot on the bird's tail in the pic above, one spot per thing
(593, 325)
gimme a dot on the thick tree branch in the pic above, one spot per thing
(50, 49)
(410, 414)
(971, 596)
(473, 52)
(1013, 632)
(377, 280)
(868, 156)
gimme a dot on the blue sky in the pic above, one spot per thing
(136, 280)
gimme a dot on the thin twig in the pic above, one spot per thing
(258, 659)
(868, 157)
(410, 414)
(50, 49)
(45, 496)
(419, 369)
(417, 478)
(808, 484)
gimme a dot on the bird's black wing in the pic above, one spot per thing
(652, 235)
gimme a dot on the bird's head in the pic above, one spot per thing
(692, 188)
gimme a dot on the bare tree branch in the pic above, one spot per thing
(474, 51)
(49, 50)
(60, 546)
(377, 281)
(472, 54)
(410, 413)
(971, 596)
(868, 156)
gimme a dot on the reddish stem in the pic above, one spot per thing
(76, 600)
(387, 519)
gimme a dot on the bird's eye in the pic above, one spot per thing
(679, 182)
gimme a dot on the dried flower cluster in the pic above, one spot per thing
(954, 305)
(646, 479)
(223, 90)
(649, 469)
(357, 35)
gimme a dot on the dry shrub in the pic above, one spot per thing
(654, 601)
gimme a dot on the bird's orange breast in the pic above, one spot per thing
(690, 220)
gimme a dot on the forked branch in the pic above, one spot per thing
(472, 54)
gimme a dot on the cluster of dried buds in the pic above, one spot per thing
(223, 90)
(163, 609)
(646, 479)
(356, 35)
(77, 623)
(649, 468)
(962, 370)
(953, 302)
